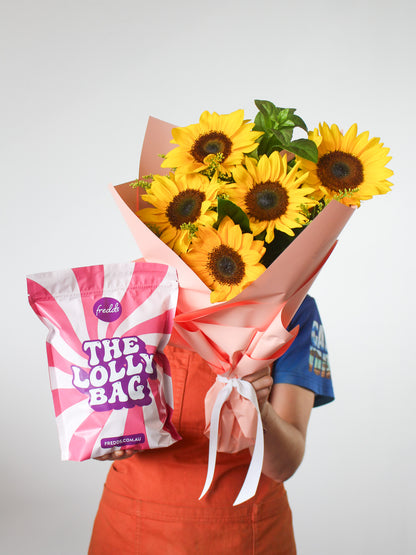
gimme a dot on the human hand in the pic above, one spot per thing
(262, 382)
(117, 455)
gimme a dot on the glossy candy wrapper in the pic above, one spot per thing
(110, 381)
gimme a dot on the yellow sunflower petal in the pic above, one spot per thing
(228, 256)
(350, 168)
(180, 205)
(227, 135)
(270, 194)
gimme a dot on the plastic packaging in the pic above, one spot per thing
(110, 381)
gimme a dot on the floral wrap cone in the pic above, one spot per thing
(245, 334)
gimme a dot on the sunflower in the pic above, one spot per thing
(226, 260)
(180, 205)
(271, 197)
(350, 167)
(224, 138)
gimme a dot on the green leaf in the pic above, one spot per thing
(284, 136)
(280, 242)
(228, 208)
(268, 144)
(299, 122)
(260, 122)
(287, 124)
(282, 115)
(265, 107)
(267, 117)
(264, 123)
(277, 125)
(304, 148)
(261, 236)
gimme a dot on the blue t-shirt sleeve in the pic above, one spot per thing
(305, 363)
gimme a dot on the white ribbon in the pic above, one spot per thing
(246, 390)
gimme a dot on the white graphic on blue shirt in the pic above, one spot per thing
(318, 354)
(306, 363)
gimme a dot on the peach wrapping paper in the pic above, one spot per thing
(249, 332)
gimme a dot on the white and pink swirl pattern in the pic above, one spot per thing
(110, 381)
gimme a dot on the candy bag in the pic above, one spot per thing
(110, 381)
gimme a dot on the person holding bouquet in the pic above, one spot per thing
(237, 197)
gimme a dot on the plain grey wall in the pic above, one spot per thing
(79, 82)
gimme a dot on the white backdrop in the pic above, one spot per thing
(80, 79)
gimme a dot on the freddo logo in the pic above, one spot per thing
(107, 309)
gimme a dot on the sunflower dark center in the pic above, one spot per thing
(225, 265)
(339, 171)
(267, 201)
(185, 207)
(211, 143)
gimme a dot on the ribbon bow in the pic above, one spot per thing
(246, 390)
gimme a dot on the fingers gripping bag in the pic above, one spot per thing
(110, 381)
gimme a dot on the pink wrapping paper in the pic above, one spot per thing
(247, 333)
(110, 381)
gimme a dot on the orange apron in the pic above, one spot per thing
(150, 501)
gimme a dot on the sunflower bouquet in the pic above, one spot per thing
(248, 216)
(238, 192)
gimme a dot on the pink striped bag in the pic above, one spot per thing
(110, 381)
